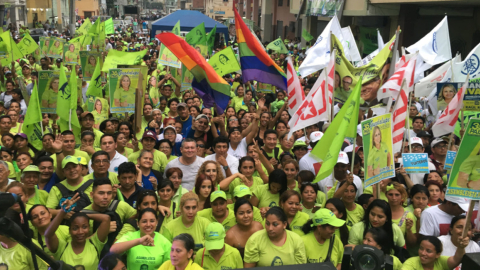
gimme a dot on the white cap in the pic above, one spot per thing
(316, 136)
(343, 158)
(416, 140)
(462, 202)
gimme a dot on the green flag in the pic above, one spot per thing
(95, 86)
(9, 49)
(67, 101)
(211, 40)
(176, 29)
(197, 38)
(306, 35)
(343, 125)
(278, 46)
(27, 45)
(31, 124)
(109, 28)
(224, 61)
(95, 28)
(115, 58)
(85, 27)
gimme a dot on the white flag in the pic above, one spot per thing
(319, 54)
(313, 108)
(435, 46)
(405, 72)
(469, 66)
(398, 118)
(380, 42)
(295, 91)
(447, 120)
(442, 74)
(353, 53)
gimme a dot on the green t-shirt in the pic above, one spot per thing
(298, 221)
(355, 236)
(231, 259)
(355, 216)
(62, 232)
(20, 258)
(227, 223)
(265, 198)
(257, 216)
(377, 158)
(259, 249)
(89, 69)
(152, 256)
(196, 230)
(121, 95)
(40, 197)
(55, 195)
(414, 263)
(111, 175)
(309, 211)
(257, 181)
(316, 252)
(471, 166)
(403, 221)
(71, 57)
(159, 159)
(99, 117)
(124, 211)
(87, 258)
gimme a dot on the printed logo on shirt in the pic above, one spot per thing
(144, 267)
(272, 204)
(277, 261)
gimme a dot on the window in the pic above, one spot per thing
(280, 3)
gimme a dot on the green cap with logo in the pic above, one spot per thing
(214, 236)
(218, 194)
(241, 191)
(69, 159)
(31, 168)
(324, 216)
(299, 143)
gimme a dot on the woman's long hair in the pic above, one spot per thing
(388, 222)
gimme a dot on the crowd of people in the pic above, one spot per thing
(194, 189)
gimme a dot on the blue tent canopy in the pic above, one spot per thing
(188, 20)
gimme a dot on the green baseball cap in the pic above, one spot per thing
(241, 191)
(299, 143)
(82, 161)
(324, 216)
(218, 194)
(31, 168)
(69, 159)
(214, 236)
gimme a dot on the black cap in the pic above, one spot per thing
(59, 60)
(424, 133)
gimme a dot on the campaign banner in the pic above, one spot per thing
(187, 78)
(55, 49)
(123, 84)
(377, 149)
(324, 8)
(88, 60)
(48, 87)
(464, 180)
(44, 45)
(99, 108)
(265, 88)
(167, 58)
(224, 62)
(71, 55)
(415, 162)
(449, 160)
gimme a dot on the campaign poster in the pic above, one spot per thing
(55, 49)
(88, 60)
(471, 100)
(48, 84)
(265, 88)
(167, 58)
(99, 108)
(445, 93)
(187, 79)
(123, 84)
(449, 159)
(464, 180)
(71, 53)
(224, 62)
(377, 148)
(415, 162)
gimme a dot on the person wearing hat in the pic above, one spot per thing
(26, 74)
(66, 145)
(82, 161)
(299, 149)
(184, 117)
(426, 137)
(71, 170)
(200, 130)
(59, 66)
(319, 235)
(331, 184)
(310, 162)
(217, 254)
(436, 219)
(439, 149)
(219, 211)
(22, 145)
(87, 121)
(414, 178)
(149, 139)
(29, 178)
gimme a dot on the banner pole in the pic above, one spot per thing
(408, 123)
(468, 218)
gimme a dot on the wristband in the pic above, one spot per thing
(58, 153)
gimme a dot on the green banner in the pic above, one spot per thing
(72, 53)
(368, 40)
(464, 178)
(56, 48)
(123, 82)
(88, 60)
(224, 62)
(109, 27)
(115, 58)
(187, 78)
(48, 85)
(278, 46)
(197, 38)
(27, 45)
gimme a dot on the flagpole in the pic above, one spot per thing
(70, 119)
(408, 123)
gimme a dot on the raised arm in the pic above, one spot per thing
(254, 128)
(456, 259)
(104, 228)
(51, 238)
(57, 146)
(272, 122)
(266, 163)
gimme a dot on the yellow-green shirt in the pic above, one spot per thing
(317, 253)
(297, 223)
(227, 223)
(409, 215)
(377, 158)
(355, 236)
(414, 263)
(159, 159)
(196, 230)
(231, 259)
(355, 216)
(169, 266)
(55, 195)
(471, 166)
(20, 258)
(87, 258)
(111, 175)
(40, 197)
(265, 198)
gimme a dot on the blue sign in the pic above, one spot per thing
(415, 163)
(449, 160)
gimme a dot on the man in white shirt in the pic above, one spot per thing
(310, 162)
(189, 163)
(435, 220)
(417, 147)
(339, 175)
(108, 144)
(228, 162)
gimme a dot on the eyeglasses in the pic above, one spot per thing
(417, 147)
(201, 145)
(443, 146)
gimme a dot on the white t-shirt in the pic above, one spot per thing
(435, 222)
(449, 249)
(326, 184)
(417, 178)
(241, 150)
(189, 171)
(311, 163)
(114, 163)
(231, 161)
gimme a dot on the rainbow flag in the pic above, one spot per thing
(254, 60)
(212, 88)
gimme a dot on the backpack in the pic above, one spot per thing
(111, 212)
(84, 200)
(276, 151)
